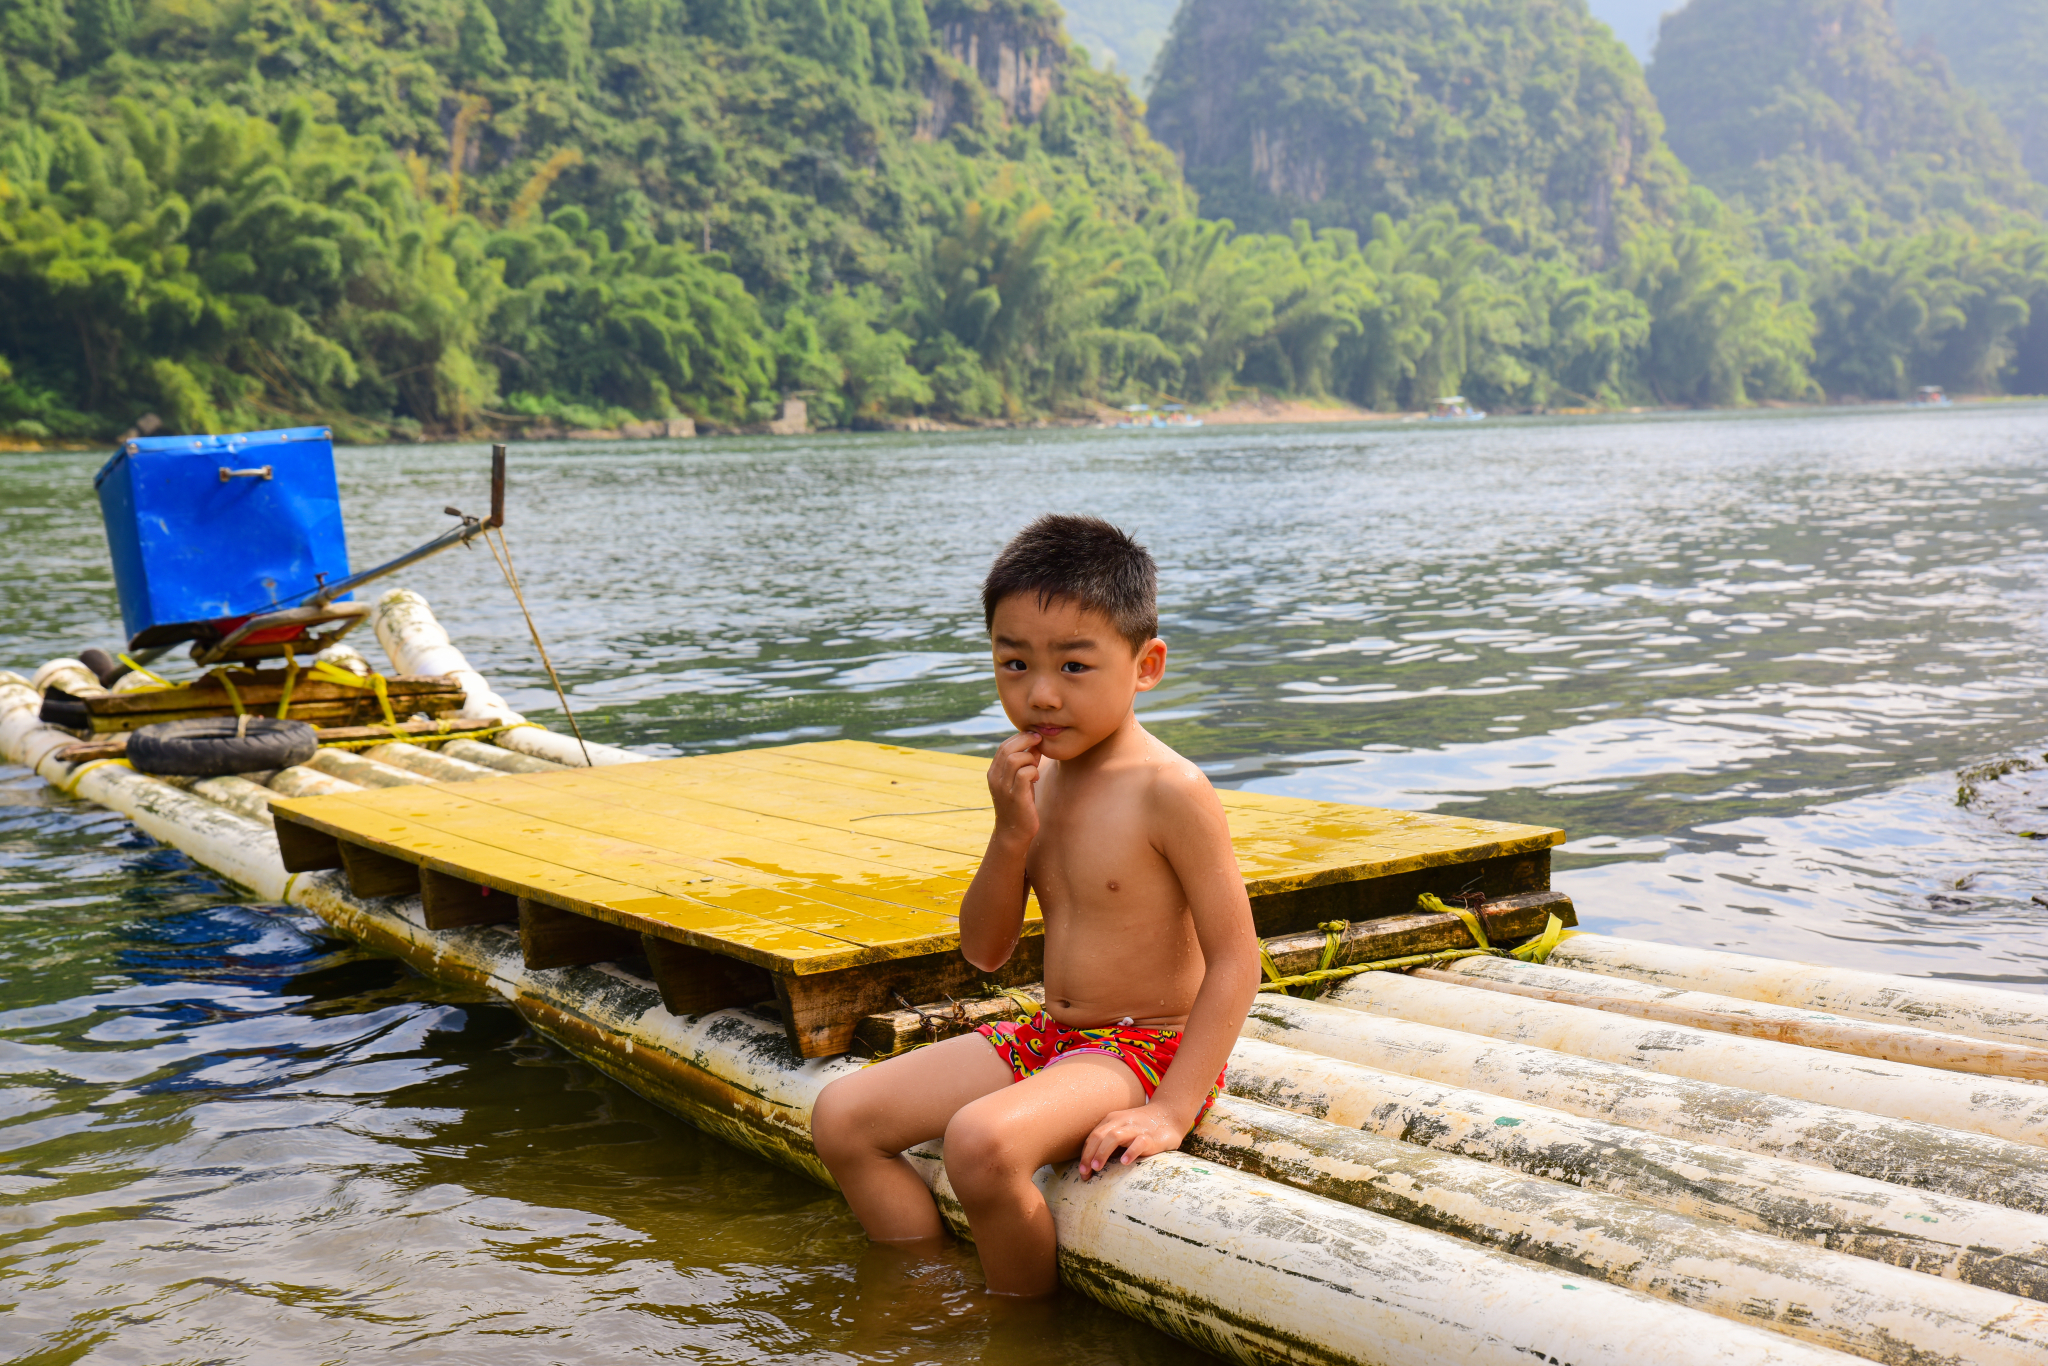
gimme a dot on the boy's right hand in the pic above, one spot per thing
(1013, 782)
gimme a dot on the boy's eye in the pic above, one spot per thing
(1073, 666)
(1014, 665)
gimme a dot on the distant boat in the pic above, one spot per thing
(1454, 408)
(1168, 415)
(1931, 396)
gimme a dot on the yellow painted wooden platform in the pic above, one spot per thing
(833, 872)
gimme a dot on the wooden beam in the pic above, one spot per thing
(416, 732)
(821, 1009)
(1507, 922)
(453, 903)
(373, 874)
(549, 938)
(1377, 898)
(694, 981)
(887, 1033)
(303, 848)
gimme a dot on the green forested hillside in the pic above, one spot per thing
(1528, 116)
(1896, 192)
(1814, 114)
(443, 216)
(1997, 50)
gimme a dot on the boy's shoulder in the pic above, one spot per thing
(1171, 784)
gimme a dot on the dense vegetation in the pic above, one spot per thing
(1897, 192)
(432, 216)
(1997, 50)
(1815, 114)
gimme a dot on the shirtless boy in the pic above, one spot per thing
(1150, 959)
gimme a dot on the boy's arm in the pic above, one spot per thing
(1195, 837)
(992, 912)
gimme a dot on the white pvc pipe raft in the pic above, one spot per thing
(1927, 1156)
(1923, 1002)
(2014, 1110)
(417, 644)
(1254, 1271)
(1754, 1019)
(734, 1075)
(1863, 1307)
(1985, 1245)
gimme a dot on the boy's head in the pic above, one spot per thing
(1082, 560)
(1072, 613)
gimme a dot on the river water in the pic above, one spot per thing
(1740, 658)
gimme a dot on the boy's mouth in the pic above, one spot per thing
(1048, 732)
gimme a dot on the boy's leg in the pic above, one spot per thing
(994, 1145)
(863, 1122)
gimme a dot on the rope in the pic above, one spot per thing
(235, 701)
(512, 581)
(419, 737)
(155, 678)
(291, 680)
(334, 673)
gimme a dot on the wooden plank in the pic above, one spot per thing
(551, 938)
(303, 848)
(869, 913)
(695, 981)
(371, 873)
(454, 903)
(1507, 921)
(418, 732)
(886, 1033)
(821, 1010)
(261, 692)
(667, 909)
(1283, 843)
(666, 815)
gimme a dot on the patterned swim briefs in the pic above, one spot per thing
(1032, 1045)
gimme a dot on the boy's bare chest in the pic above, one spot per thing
(1091, 855)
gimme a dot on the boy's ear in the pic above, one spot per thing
(1151, 664)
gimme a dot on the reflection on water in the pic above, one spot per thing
(1738, 658)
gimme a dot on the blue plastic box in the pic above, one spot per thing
(209, 527)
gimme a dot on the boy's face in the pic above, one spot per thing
(1064, 672)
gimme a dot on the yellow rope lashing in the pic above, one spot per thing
(291, 680)
(334, 673)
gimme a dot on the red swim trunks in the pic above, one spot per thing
(1034, 1044)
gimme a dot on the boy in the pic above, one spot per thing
(1150, 958)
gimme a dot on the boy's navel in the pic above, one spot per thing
(1112, 886)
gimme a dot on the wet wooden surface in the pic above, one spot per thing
(819, 859)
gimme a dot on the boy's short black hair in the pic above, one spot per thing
(1084, 560)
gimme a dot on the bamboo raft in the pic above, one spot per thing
(1621, 1153)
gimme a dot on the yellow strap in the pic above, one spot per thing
(155, 678)
(1333, 935)
(1428, 902)
(334, 673)
(1414, 960)
(1272, 971)
(291, 679)
(1023, 1002)
(234, 694)
(1537, 950)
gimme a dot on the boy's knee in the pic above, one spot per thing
(837, 1121)
(981, 1151)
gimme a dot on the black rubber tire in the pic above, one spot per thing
(104, 666)
(209, 747)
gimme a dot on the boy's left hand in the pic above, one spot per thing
(1140, 1132)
